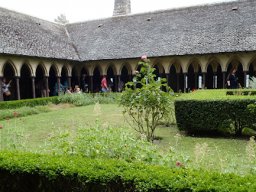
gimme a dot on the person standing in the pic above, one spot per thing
(104, 84)
(232, 80)
(6, 90)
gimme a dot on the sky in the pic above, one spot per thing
(83, 10)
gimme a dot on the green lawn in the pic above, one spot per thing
(227, 155)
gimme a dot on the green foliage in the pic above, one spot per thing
(252, 82)
(28, 102)
(227, 114)
(103, 141)
(145, 101)
(88, 99)
(34, 172)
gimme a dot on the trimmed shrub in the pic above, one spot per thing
(75, 99)
(22, 111)
(34, 172)
(28, 102)
(229, 114)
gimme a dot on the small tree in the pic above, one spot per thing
(62, 19)
(145, 101)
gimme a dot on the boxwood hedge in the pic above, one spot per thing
(212, 111)
(38, 172)
(28, 102)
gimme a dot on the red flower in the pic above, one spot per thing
(179, 164)
(1, 126)
(15, 114)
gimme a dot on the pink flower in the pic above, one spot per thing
(144, 57)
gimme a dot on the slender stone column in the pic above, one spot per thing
(79, 80)
(245, 79)
(91, 83)
(1, 90)
(178, 82)
(69, 82)
(203, 80)
(46, 85)
(18, 87)
(185, 82)
(196, 80)
(58, 82)
(224, 79)
(33, 87)
(117, 80)
(168, 79)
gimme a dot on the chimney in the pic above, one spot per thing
(122, 7)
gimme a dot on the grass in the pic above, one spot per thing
(215, 94)
(220, 154)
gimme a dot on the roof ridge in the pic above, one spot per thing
(72, 42)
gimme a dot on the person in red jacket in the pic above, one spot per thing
(104, 84)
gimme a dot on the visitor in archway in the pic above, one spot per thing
(84, 84)
(104, 84)
(42, 87)
(232, 80)
(77, 89)
(120, 86)
(6, 89)
(110, 84)
(58, 88)
(69, 91)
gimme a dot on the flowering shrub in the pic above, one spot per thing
(145, 101)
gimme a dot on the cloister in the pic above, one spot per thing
(184, 73)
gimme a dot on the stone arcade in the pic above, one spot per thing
(192, 47)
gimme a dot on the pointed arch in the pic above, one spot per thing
(9, 73)
(53, 75)
(111, 65)
(96, 79)
(252, 67)
(125, 76)
(111, 78)
(40, 83)
(173, 78)
(236, 63)
(209, 77)
(64, 77)
(128, 68)
(159, 69)
(26, 82)
(74, 76)
(99, 68)
(12, 65)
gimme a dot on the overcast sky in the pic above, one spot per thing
(82, 10)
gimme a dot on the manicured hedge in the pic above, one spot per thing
(34, 172)
(75, 99)
(210, 111)
(28, 102)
